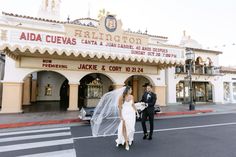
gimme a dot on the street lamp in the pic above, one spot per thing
(190, 56)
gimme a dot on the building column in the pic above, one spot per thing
(26, 90)
(0, 93)
(73, 97)
(135, 89)
(34, 91)
(12, 97)
(194, 67)
(231, 92)
(203, 69)
(34, 88)
(161, 95)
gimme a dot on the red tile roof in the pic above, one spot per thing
(32, 18)
(63, 22)
(198, 49)
(227, 70)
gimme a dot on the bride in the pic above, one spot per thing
(115, 111)
(127, 112)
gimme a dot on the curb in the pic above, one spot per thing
(27, 124)
(77, 120)
(183, 113)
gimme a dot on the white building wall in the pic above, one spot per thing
(171, 82)
(218, 95)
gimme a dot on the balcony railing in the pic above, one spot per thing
(198, 70)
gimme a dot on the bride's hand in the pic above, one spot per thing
(138, 116)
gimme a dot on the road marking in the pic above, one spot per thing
(194, 127)
(162, 130)
(8, 139)
(34, 131)
(35, 145)
(62, 153)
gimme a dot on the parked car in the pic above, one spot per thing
(86, 114)
(157, 109)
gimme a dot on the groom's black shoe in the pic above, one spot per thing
(145, 136)
(150, 138)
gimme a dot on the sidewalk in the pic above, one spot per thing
(46, 118)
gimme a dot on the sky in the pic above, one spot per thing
(210, 22)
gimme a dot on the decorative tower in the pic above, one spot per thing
(50, 9)
(187, 41)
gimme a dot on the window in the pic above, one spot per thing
(180, 92)
(226, 92)
(234, 90)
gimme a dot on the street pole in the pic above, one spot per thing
(190, 56)
(191, 105)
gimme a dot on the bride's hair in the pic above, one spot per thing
(126, 91)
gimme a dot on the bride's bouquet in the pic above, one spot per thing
(140, 106)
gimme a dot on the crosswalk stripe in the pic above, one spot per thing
(8, 139)
(33, 131)
(35, 145)
(62, 153)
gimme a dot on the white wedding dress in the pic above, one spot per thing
(129, 117)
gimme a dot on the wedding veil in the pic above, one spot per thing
(105, 119)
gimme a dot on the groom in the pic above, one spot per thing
(150, 99)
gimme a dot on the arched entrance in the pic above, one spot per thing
(45, 91)
(199, 65)
(91, 89)
(64, 95)
(138, 84)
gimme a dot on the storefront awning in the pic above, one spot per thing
(15, 51)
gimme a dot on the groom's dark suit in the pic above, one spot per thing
(150, 99)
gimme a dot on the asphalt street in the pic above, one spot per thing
(197, 136)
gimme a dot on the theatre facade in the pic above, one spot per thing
(76, 62)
